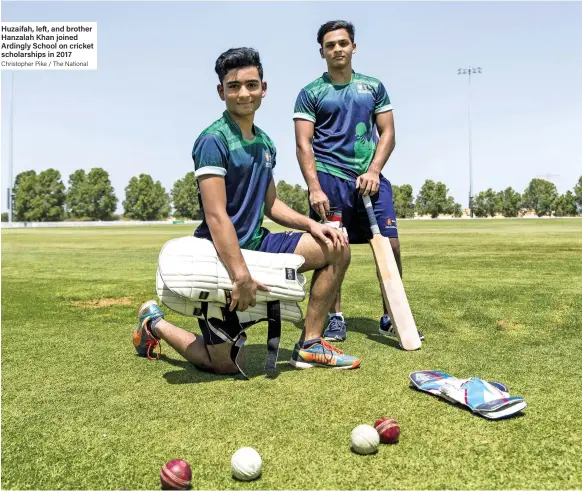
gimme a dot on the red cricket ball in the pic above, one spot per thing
(176, 474)
(388, 430)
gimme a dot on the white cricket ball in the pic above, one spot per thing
(365, 439)
(246, 464)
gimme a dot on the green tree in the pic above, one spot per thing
(540, 196)
(293, 196)
(486, 203)
(91, 195)
(403, 200)
(433, 200)
(40, 198)
(578, 192)
(21, 176)
(146, 200)
(565, 205)
(46, 194)
(102, 200)
(458, 210)
(509, 202)
(77, 195)
(25, 198)
(185, 197)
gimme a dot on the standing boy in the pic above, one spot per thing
(339, 154)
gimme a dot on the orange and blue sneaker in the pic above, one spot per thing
(322, 354)
(143, 340)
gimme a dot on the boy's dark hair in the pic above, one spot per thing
(237, 58)
(334, 25)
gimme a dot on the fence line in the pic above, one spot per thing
(118, 223)
(137, 223)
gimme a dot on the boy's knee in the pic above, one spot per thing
(226, 369)
(346, 255)
(340, 256)
(219, 368)
(396, 251)
(220, 361)
(395, 243)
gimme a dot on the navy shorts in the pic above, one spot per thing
(283, 242)
(344, 196)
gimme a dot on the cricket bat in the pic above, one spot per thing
(391, 284)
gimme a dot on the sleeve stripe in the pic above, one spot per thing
(383, 109)
(210, 170)
(308, 117)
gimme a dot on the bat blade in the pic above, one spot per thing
(394, 294)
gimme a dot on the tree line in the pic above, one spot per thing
(90, 196)
(540, 196)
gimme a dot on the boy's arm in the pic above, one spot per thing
(303, 138)
(213, 193)
(282, 214)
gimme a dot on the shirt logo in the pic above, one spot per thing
(364, 89)
(268, 160)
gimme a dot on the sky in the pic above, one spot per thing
(154, 89)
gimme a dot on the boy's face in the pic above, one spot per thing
(242, 90)
(337, 49)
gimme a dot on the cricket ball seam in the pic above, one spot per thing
(173, 479)
(386, 425)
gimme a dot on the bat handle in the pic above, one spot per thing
(371, 215)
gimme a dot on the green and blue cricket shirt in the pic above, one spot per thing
(247, 167)
(344, 115)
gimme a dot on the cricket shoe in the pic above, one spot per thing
(335, 329)
(322, 354)
(143, 340)
(387, 328)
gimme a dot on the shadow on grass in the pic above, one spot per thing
(366, 326)
(255, 356)
(369, 327)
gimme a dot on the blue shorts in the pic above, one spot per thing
(344, 196)
(283, 242)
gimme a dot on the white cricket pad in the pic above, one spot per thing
(290, 311)
(190, 267)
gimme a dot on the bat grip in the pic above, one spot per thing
(371, 215)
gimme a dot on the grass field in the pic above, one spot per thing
(496, 299)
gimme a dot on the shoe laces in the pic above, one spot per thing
(388, 327)
(151, 342)
(330, 347)
(335, 324)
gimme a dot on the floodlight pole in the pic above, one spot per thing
(11, 150)
(468, 71)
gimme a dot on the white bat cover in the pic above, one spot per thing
(190, 268)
